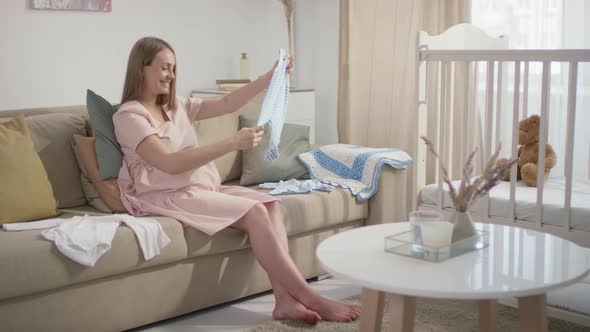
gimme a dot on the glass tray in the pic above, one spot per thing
(403, 244)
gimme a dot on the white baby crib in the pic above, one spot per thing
(561, 205)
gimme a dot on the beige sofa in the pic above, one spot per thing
(42, 290)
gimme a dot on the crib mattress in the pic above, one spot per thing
(526, 198)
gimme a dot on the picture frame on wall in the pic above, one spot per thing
(83, 5)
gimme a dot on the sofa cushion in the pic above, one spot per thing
(303, 213)
(103, 195)
(25, 191)
(255, 169)
(34, 264)
(216, 129)
(92, 195)
(52, 134)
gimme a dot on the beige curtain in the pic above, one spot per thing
(377, 83)
(343, 74)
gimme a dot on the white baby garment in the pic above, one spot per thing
(274, 106)
(25, 226)
(85, 239)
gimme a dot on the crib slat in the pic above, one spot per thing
(498, 104)
(441, 133)
(465, 116)
(450, 120)
(420, 100)
(525, 96)
(421, 71)
(569, 145)
(545, 87)
(513, 169)
(488, 128)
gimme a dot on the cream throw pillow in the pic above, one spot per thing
(25, 191)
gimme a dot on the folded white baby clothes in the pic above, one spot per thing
(85, 239)
(274, 106)
(293, 186)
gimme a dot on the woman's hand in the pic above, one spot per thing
(247, 138)
(290, 64)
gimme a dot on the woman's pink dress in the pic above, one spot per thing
(195, 197)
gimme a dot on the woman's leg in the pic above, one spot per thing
(285, 305)
(276, 217)
(282, 272)
(283, 300)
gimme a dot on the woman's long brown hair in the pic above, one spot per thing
(142, 54)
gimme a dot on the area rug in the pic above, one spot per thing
(431, 316)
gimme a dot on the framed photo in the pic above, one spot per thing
(85, 5)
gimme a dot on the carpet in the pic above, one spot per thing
(432, 315)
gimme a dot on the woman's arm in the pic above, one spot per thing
(159, 156)
(234, 100)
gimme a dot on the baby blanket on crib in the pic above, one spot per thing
(353, 167)
(274, 106)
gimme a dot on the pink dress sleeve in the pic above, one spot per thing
(132, 125)
(192, 107)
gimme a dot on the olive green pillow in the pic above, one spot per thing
(25, 191)
(294, 140)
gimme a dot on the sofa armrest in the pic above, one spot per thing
(389, 203)
(315, 146)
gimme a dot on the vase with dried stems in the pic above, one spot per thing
(471, 188)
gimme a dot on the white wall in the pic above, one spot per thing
(50, 58)
(316, 52)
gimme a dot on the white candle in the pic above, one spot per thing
(436, 234)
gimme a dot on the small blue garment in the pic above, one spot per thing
(274, 106)
(294, 187)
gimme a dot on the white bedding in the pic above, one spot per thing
(526, 198)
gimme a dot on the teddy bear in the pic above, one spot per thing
(528, 152)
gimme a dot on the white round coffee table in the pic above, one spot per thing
(517, 263)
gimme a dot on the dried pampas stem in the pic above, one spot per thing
(289, 8)
(471, 189)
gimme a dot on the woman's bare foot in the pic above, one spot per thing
(287, 307)
(332, 310)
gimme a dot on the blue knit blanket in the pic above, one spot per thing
(353, 167)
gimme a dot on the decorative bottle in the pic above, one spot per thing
(244, 67)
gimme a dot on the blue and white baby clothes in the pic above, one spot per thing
(353, 167)
(274, 106)
(294, 187)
